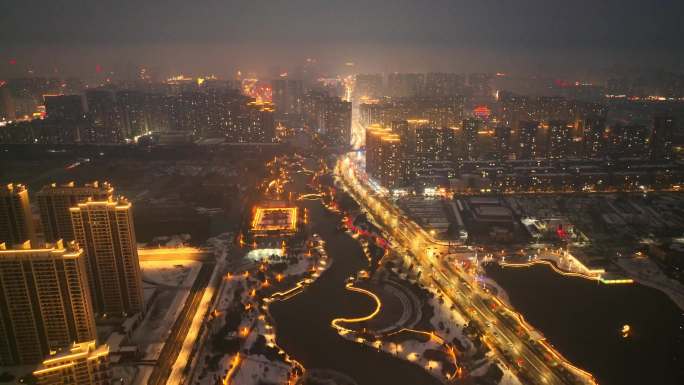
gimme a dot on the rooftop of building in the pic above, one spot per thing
(275, 219)
(78, 351)
(32, 248)
(118, 202)
(71, 187)
(13, 188)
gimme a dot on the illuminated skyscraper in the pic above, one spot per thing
(106, 119)
(594, 141)
(106, 232)
(55, 201)
(132, 107)
(16, 221)
(470, 143)
(256, 124)
(502, 137)
(661, 138)
(527, 140)
(83, 363)
(633, 140)
(384, 158)
(45, 302)
(335, 121)
(559, 139)
(287, 95)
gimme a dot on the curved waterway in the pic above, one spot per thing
(303, 321)
(583, 320)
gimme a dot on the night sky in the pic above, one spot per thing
(458, 35)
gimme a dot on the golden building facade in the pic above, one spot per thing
(45, 302)
(54, 202)
(16, 222)
(106, 231)
(84, 363)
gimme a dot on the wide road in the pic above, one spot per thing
(174, 342)
(499, 330)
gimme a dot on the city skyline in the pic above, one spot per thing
(311, 192)
(528, 37)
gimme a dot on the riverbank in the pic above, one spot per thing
(584, 320)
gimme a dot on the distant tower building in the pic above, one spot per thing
(633, 141)
(335, 121)
(470, 143)
(384, 160)
(373, 149)
(481, 84)
(16, 221)
(132, 106)
(559, 139)
(83, 363)
(64, 107)
(527, 140)
(106, 120)
(405, 84)
(661, 138)
(105, 230)
(287, 95)
(55, 201)
(256, 124)
(44, 301)
(443, 84)
(594, 141)
(368, 86)
(502, 137)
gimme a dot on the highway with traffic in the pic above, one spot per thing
(504, 331)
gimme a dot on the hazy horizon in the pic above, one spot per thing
(527, 37)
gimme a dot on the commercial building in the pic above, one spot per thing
(106, 231)
(84, 363)
(54, 202)
(16, 221)
(45, 301)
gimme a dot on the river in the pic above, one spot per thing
(583, 320)
(303, 322)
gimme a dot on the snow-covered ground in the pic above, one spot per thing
(171, 240)
(451, 320)
(647, 273)
(221, 246)
(257, 369)
(170, 272)
(508, 377)
(251, 369)
(173, 280)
